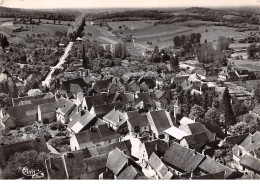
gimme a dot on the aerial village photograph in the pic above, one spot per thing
(129, 90)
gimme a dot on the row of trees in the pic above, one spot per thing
(77, 27)
(253, 50)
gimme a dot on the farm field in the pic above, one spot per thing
(251, 67)
(132, 25)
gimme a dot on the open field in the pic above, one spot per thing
(251, 67)
(132, 25)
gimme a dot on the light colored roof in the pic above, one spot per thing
(186, 120)
(115, 117)
(176, 133)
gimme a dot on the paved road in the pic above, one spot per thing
(47, 80)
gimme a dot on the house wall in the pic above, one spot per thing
(50, 117)
(74, 145)
(27, 119)
(153, 128)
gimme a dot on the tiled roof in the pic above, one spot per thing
(197, 138)
(162, 170)
(101, 86)
(117, 160)
(251, 162)
(65, 106)
(81, 120)
(56, 168)
(236, 139)
(17, 101)
(102, 110)
(48, 107)
(116, 117)
(186, 120)
(122, 145)
(182, 158)
(211, 166)
(159, 147)
(194, 128)
(251, 142)
(95, 163)
(136, 119)
(161, 121)
(129, 173)
(101, 133)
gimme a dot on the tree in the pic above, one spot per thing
(212, 116)
(196, 112)
(174, 63)
(223, 43)
(205, 101)
(30, 159)
(5, 100)
(206, 53)
(228, 111)
(84, 58)
(187, 103)
(252, 50)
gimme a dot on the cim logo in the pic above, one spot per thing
(34, 174)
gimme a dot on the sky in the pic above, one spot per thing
(49, 4)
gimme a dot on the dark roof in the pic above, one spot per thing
(102, 110)
(218, 176)
(210, 166)
(161, 121)
(251, 162)
(100, 133)
(21, 111)
(182, 158)
(66, 85)
(17, 101)
(197, 138)
(74, 163)
(48, 107)
(101, 86)
(116, 161)
(38, 144)
(194, 128)
(99, 100)
(136, 119)
(147, 98)
(95, 163)
(159, 147)
(129, 173)
(56, 168)
(122, 145)
(236, 139)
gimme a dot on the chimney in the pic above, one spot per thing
(194, 152)
(214, 136)
(120, 118)
(251, 139)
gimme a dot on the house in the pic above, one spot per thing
(194, 128)
(27, 113)
(101, 110)
(182, 159)
(160, 120)
(102, 86)
(89, 102)
(156, 164)
(74, 85)
(96, 136)
(137, 123)
(96, 165)
(6, 151)
(159, 147)
(181, 80)
(65, 107)
(117, 162)
(47, 112)
(55, 168)
(83, 120)
(133, 86)
(195, 141)
(124, 146)
(174, 134)
(130, 173)
(27, 99)
(250, 164)
(116, 120)
(209, 166)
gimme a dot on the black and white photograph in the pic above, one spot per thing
(129, 90)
